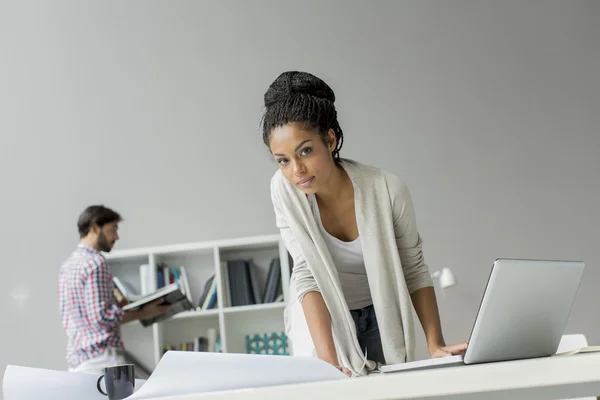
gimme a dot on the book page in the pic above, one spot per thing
(587, 349)
(183, 373)
(178, 373)
(151, 297)
(25, 383)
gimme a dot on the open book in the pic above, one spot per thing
(125, 290)
(586, 349)
(172, 295)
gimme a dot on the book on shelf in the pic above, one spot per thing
(172, 295)
(186, 284)
(225, 290)
(211, 299)
(168, 275)
(208, 297)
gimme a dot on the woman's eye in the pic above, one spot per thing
(305, 151)
(281, 161)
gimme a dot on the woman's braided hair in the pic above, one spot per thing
(302, 98)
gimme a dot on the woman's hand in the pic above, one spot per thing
(452, 350)
(333, 361)
(344, 370)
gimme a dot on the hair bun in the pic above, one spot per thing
(296, 82)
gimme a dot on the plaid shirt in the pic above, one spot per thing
(89, 310)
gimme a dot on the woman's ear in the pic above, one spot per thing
(331, 140)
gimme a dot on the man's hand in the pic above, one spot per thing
(123, 302)
(157, 307)
(452, 350)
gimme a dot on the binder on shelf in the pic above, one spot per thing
(254, 282)
(273, 287)
(239, 283)
(242, 279)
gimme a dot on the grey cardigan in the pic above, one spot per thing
(392, 250)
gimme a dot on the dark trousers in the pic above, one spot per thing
(367, 331)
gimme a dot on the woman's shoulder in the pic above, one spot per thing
(371, 173)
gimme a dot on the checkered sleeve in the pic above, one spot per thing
(101, 304)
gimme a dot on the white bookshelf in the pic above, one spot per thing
(201, 259)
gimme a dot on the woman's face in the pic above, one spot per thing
(302, 156)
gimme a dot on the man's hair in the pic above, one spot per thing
(301, 97)
(95, 215)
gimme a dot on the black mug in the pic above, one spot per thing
(119, 381)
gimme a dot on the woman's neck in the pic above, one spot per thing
(338, 188)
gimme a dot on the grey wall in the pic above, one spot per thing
(490, 111)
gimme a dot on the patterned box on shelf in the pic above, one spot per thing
(267, 343)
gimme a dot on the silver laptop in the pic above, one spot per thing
(523, 314)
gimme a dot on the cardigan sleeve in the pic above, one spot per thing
(408, 239)
(304, 279)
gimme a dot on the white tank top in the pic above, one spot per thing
(350, 264)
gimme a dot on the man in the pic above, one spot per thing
(91, 316)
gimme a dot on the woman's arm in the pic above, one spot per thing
(416, 273)
(408, 240)
(425, 304)
(318, 320)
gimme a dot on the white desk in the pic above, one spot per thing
(546, 378)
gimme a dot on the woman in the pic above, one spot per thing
(350, 229)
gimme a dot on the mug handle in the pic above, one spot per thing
(98, 385)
